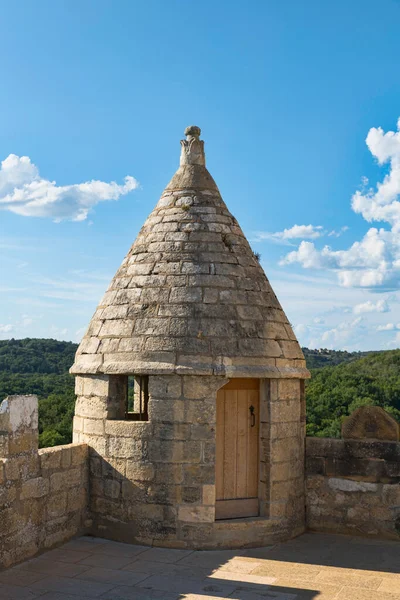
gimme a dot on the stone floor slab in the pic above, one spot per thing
(210, 558)
(105, 560)
(188, 586)
(390, 585)
(246, 580)
(66, 555)
(311, 567)
(351, 580)
(83, 544)
(133, 593)
(119, 549)
(349, 593)
(117, 577)
(164, 555)
(13, 592)
(157, 568)
(306, 591)
(72, 586)
(292, 570)
(61, 596)
(270, 595)
(20, 577)
(237, 565)
(47, 566)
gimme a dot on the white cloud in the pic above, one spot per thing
(300, 329)
(387, 327)
(26, 320)
(315, 301)
(369, 263)
(341, 334)
(310, 232)
(335, 233)
(318, 321)
(24, 192)
(6, 328)
(61, 288)
(374, 261)
(301, 231)
(381, 306)
(383, 203)
(57, 332)
(307, 255)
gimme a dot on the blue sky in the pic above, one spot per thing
(298, 104)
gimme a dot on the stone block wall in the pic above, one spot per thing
(353, 487)
(43, 493)
(284, 420)
(153, 482)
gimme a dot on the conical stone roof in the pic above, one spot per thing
(190, 296)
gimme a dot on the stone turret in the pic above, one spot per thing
(190, 383)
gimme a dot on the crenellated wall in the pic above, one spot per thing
(43, 493)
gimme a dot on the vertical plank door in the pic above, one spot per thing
(237, 441)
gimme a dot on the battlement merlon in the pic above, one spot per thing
(18, 426)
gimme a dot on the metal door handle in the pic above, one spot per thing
(253, 416)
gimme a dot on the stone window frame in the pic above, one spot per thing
(118, 405)
(142, 382)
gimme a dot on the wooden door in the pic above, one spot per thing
(237, 442)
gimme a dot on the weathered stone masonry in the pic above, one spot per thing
(43, 494)
(353, 484)
(154, 482)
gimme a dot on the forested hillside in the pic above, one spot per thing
(341, 381)
(40, 366)
(335, 392)
(36, 356)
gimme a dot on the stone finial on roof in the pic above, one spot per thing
(192, 152)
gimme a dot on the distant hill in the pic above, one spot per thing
(328, 358)
(34, 355)
(341, 381)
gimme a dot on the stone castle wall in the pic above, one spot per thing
(43, 493)
(353, 486)
(154, 482)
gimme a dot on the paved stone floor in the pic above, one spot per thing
(313, 566)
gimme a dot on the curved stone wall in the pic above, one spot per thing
(154, 482)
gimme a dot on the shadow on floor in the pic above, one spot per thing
(338, 551)
(311, 567)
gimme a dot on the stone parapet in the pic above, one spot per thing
(43, 493)
(353, 487)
